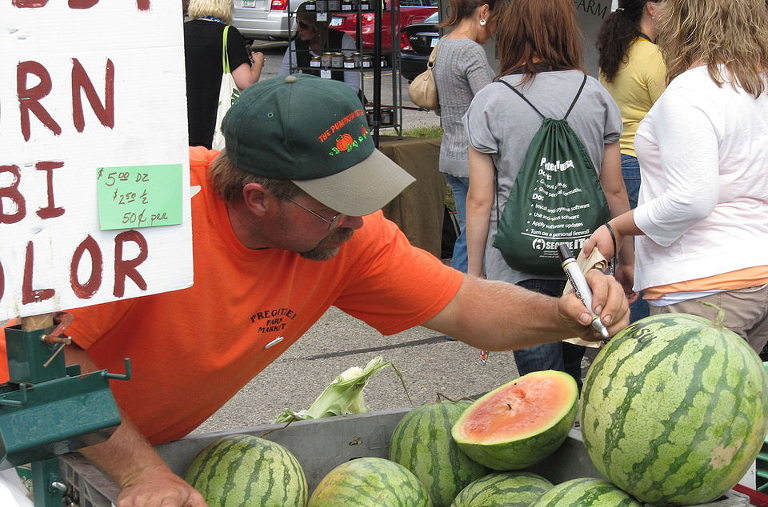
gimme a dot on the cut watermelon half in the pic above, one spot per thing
(519, 423)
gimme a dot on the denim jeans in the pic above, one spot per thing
(551, 356)
(459, 186)
(630, 169)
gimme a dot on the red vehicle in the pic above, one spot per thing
(411, 11)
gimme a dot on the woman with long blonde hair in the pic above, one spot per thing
(703, 149)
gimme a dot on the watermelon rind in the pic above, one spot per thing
(370, 482)
(674, 409)
(526, 450)
(238, 470)
(586, 492)
(503, 489)
(422, 443)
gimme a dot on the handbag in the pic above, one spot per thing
(423, 90)
(228, 94)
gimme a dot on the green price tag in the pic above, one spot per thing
(139, 196)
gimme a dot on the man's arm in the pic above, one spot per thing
(143, 477)
(493, 315)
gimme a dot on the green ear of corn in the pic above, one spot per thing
(343, 396)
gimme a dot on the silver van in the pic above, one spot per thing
(263, 19)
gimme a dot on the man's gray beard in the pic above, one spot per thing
(322, 252)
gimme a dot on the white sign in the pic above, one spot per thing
(84, 85)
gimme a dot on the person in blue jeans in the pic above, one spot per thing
(459, 187)
(630, 169)
(561, 356)
(632, 69)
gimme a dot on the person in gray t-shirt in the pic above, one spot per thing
(461, 70)
(500, 127)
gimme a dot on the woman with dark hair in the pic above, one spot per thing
(461, 70)
(540, 53)
(202, 53)
(701, 224)
(633, 71)
(313, 38)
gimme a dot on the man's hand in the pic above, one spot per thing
(608, 302)
(159, 487)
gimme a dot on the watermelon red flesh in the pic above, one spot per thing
(674, 409)
(519, 423)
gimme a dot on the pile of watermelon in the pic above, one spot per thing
(673, 412)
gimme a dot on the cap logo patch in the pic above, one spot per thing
(339, 124)
(347, 142)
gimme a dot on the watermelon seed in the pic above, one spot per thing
(509, 405)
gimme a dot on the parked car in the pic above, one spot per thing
(416, 43)
(411, 11)
(264, 19)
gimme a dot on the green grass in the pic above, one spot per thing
(432, 132)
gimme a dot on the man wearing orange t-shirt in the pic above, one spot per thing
(286, 223)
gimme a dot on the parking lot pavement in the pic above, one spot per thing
(429, 365)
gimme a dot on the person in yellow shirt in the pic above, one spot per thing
(633, 71)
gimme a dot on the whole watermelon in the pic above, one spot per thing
(239, 470)
(504, 489)
(423, 444)
(674, 409)
(370, 482)
(586, 492)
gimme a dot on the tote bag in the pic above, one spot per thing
(228, 93)
(423, 90)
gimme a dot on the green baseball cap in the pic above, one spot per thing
(313, 132)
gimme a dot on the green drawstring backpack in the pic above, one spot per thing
(556, 198)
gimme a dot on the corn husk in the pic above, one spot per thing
(343, 396)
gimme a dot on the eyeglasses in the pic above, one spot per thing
(330, 221)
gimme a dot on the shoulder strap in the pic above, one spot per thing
(570, 108)
(224, 54)
(433, 56)
(578, 93)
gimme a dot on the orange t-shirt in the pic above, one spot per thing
(193, 349)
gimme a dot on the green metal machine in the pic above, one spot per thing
(48, 409)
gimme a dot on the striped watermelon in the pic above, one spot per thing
(239, 470)
(519, 423)
(503, 489)
(586, 492)
(422, 443)
(370, 482)
(674, 409)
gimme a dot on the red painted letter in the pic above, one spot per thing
(29, 98)
(12, 193)
(127, 268)
(80, 81)
(50, 211)
(89, 288)
(82, 4)
(31, 4)
(29, 295)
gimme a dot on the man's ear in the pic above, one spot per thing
(257, 199)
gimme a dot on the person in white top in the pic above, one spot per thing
(702, 218)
